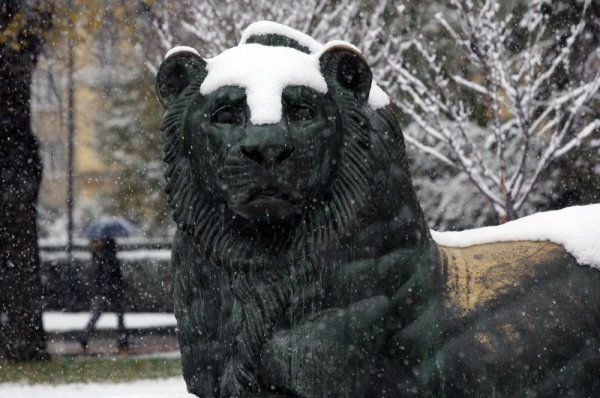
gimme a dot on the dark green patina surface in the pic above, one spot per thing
(303, 266)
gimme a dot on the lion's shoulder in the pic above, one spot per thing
(512, 306)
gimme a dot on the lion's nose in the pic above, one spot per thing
(268, 156)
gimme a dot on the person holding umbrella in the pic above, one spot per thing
(109, 284)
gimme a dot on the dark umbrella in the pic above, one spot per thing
(109, 227)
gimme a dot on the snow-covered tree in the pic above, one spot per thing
(478, 79)
(213, 26)
(511, 64)
(130, 143)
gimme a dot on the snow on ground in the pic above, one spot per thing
(69, 321)
(128, 255)
(144, 254)
(159, 388)
(576, 228)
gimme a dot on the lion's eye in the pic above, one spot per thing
(301, 113)
(226, 115)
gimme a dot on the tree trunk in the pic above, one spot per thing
(22, 336)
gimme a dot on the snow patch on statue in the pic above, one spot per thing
(576, 228)
(263, 28)
(179, 49)
(265, 71)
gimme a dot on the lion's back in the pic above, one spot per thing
(515, 317)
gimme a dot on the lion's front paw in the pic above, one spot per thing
(335, 347)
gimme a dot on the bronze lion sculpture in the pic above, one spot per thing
(303, 265)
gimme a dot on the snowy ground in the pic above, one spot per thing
(70, 321)
(147, 339)
(160, 388)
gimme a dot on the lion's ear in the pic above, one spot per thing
(178, 69)
(347, 66)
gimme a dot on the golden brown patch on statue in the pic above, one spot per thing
(478, 274)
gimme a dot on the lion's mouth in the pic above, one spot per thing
(269, 193)
(271, 204)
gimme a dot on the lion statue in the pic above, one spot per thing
(303, 265)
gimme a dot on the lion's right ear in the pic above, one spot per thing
(178, 69)
(345, 64)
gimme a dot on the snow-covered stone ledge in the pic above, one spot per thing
(576, 228)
